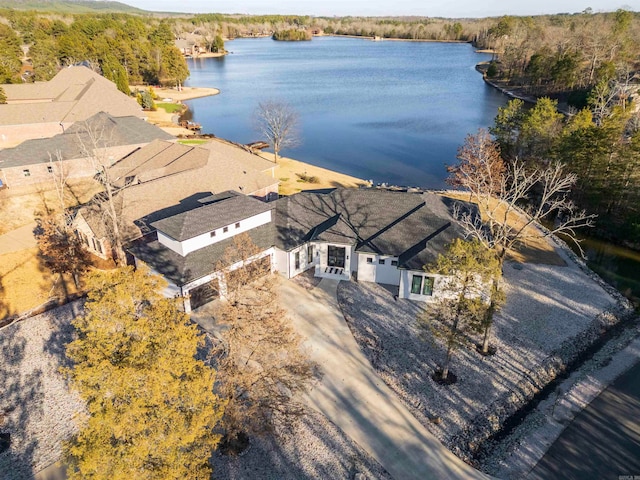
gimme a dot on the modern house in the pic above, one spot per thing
(348, 234)
(166, 178)
(45, 109)
(76, 152)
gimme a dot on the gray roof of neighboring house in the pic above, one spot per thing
(182, 270)
(221, 210)
(111, 132)
(166, 173)
(413, 227)
(74, 94)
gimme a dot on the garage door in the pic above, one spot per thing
(204, 294)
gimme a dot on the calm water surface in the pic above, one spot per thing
(392, 112)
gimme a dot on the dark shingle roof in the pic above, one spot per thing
(182, 270)
(113, 132)
(413, 227)
(221, 210)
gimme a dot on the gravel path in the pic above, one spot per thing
(38, 407)
(551, 313)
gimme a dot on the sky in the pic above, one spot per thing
(431, 8)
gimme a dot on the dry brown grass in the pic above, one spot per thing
(290, 171)
(536, 249)
(19, 207)
(25, 284)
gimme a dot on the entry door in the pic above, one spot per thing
(336, 256)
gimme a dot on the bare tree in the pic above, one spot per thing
(95, 142)
(514, 203)
(60, 249)
(261, 365)
(278, 122)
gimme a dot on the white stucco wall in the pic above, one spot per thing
(323, 257)
(305, 262)
(281, 258)
(375, 272)
(196, 243)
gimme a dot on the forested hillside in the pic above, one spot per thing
(70, 6)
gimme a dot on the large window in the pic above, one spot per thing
(422, 285)
(297, 260)
(336, 256)
(416, 284)
(309, 253)
(427, 286)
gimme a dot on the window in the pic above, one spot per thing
(26, 173)
(297, 260)
(49, 169)
(380, 261)
(212, 234)
(99, 245)
(225, 229)
(238, 225)
(309, 253)
(416, 284)
(369, 260)
(427, 286)
(394, 263)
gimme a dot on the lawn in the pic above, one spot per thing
(17, 210)
(193, 142)
(171, 107)
(26, 284)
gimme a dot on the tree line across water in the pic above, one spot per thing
(585, 62)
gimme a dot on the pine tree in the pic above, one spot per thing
(150, 403)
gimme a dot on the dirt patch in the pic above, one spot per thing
(290, 173)
(537, 249)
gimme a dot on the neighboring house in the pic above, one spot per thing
(187, 46)
(365, 234)
(101, 138)
(44, 109)
(166, 178)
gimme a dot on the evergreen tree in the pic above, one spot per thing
(3, 96)
(150, 402)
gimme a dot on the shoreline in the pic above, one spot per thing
(394, 39)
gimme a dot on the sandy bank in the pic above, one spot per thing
(292, 174)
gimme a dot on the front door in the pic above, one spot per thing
(336, 256)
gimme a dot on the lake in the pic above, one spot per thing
(392, 112)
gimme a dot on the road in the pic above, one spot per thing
(604, 439)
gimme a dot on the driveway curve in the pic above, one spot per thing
(354, 398)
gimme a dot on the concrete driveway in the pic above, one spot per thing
(354, 398)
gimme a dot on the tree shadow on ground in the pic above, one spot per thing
(20, 396)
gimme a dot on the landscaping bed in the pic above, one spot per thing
(552, 314)
(37, 411)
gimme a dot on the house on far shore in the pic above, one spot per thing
(166, 178)
(34, 162)
(366, 235)
(45, 109)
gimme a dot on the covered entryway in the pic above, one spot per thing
(204, 294)
(336, 257)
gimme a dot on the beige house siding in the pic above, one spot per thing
(97, 246)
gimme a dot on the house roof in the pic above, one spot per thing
(112, 132)
(414, 227)
(167, 173)
(225, 209)
(74, 94)
(182, 270)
